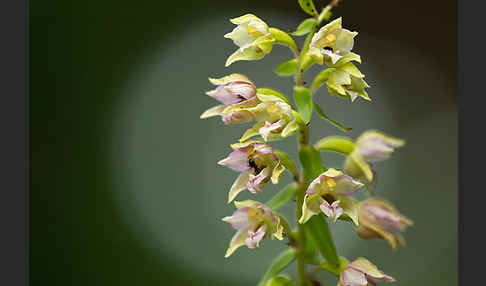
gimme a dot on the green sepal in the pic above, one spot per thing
(311, 162)
(321, 236)
(269, 91)
(287, 68)
(305, 27)
(321, 78)
(336, 270)
(333, 122)
(338, 144)
(303, 101)
(308, 7)
(282, 197)
(280, 280)
(287, 162)
(284, 39)
(278, 264)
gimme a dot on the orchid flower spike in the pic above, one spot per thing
(257, 164)
(232, 90)
(379, 219)
(253, 38)
(330, 193)
(371, 146)
(362, 272)
(253, 222)
(333, 44)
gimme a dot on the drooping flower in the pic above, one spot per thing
(330, 193)
(253, 222)
(234, 89)
(362, 272)
(333, 44)
(379, 219)
(253, 38)
(275, 118)
(257, 164)
(346, 81)
(371, 146)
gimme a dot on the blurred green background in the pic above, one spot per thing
(125, 189)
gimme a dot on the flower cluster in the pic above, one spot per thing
(321, 193)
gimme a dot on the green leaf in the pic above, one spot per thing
(338, 144)
(321, 236)
(305, 27)
(333, 122)
(280, 280)
(269, 91)
(287, 68)
(284, 39)
(278, 264)
(282, 197)
(336, 270)
(303, 100)
(311, 251)
(287, 162)
(308, 7)
(311, 162)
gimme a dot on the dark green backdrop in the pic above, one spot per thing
(124, 185)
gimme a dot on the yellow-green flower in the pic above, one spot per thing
(379, 219)
(346, 81)
(330, 193)
(333, 44)
(362, 272)
(253, 222)
(253, 38)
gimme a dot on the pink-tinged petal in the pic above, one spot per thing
(334, 56)
(315, 185)
(333, 211)
(384, 279)
(239, 219)
(232, 93)
(255, 183)
(376, 146)
(254, 238)
(269, 127)
(352, 277)
(237, 117)
(239, 185)
(346, 185)
(237, 160)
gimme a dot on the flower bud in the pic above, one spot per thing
(379, 219)
(232, 90)
(253, 38)
(253, 222)
(362, 272)
(257, 164)
(329, 193)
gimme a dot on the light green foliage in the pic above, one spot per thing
(287, 162)
(287, 68)
(336, 124)
(320, 235)
(283, 197)
(308, 7)
(305, 27)
(280, 280)
(303, 100)
(338, 144)
(278, 264)
(284, 39)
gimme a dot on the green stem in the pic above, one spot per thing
(301, 268)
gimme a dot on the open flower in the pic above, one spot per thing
(329, 193)
(333, 44)
(231, 90)
(253, 222)
(257, 164)
(346, 81)
(253, 38)
(362, 272)
(379, 219)
(371, 146)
